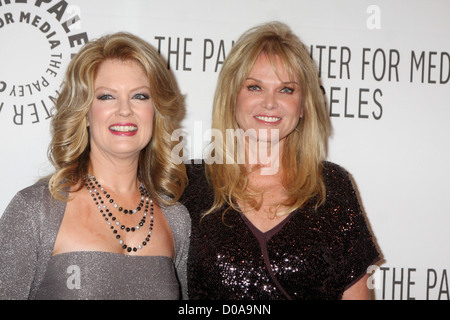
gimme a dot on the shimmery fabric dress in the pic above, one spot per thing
(309, 255)
(28, 230)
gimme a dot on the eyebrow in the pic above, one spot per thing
(284, 82)
(111, 89)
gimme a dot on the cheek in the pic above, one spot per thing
(148, 121)
(240, 117)
(296, 109)
(91, 120)
(300, 106)
(96, 119)
(97, 114)
(149, 116)
(299, 112)
(242, 110)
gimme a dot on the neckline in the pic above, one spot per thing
(106, 253)
(263, 239)
(266, 235)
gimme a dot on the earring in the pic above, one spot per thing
(298, 125)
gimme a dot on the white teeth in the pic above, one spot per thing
(123, 128)
(268, 119)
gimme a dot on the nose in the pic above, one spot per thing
(270, 100)
(124, 108)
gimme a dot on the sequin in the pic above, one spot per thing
(311, 255)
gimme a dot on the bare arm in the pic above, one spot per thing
(358, 291)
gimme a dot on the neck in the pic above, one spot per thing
(119, 176)
(264, 155)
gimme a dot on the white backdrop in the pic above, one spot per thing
(385, 67)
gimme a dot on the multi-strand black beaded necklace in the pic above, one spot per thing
(97, 192)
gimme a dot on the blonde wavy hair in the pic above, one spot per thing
(69, 148)
(305, 148)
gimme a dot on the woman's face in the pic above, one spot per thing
(120, 117)
(269, 100)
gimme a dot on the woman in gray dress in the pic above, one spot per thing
(106, 224)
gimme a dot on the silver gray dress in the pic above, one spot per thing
(28, 230)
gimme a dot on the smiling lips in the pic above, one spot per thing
(268, 119)
(123, 129)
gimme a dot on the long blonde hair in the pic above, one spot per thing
(305, 148)
(69, 148)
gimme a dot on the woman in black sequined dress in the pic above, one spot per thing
(271, 219)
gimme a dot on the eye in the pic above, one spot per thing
(287, 90)
(105, 97)
(253, 87)
(141, 96)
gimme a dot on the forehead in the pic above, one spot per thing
(270, 65)
(114, 68)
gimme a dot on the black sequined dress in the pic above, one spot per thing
(309, 255)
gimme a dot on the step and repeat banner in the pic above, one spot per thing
(385, 68)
